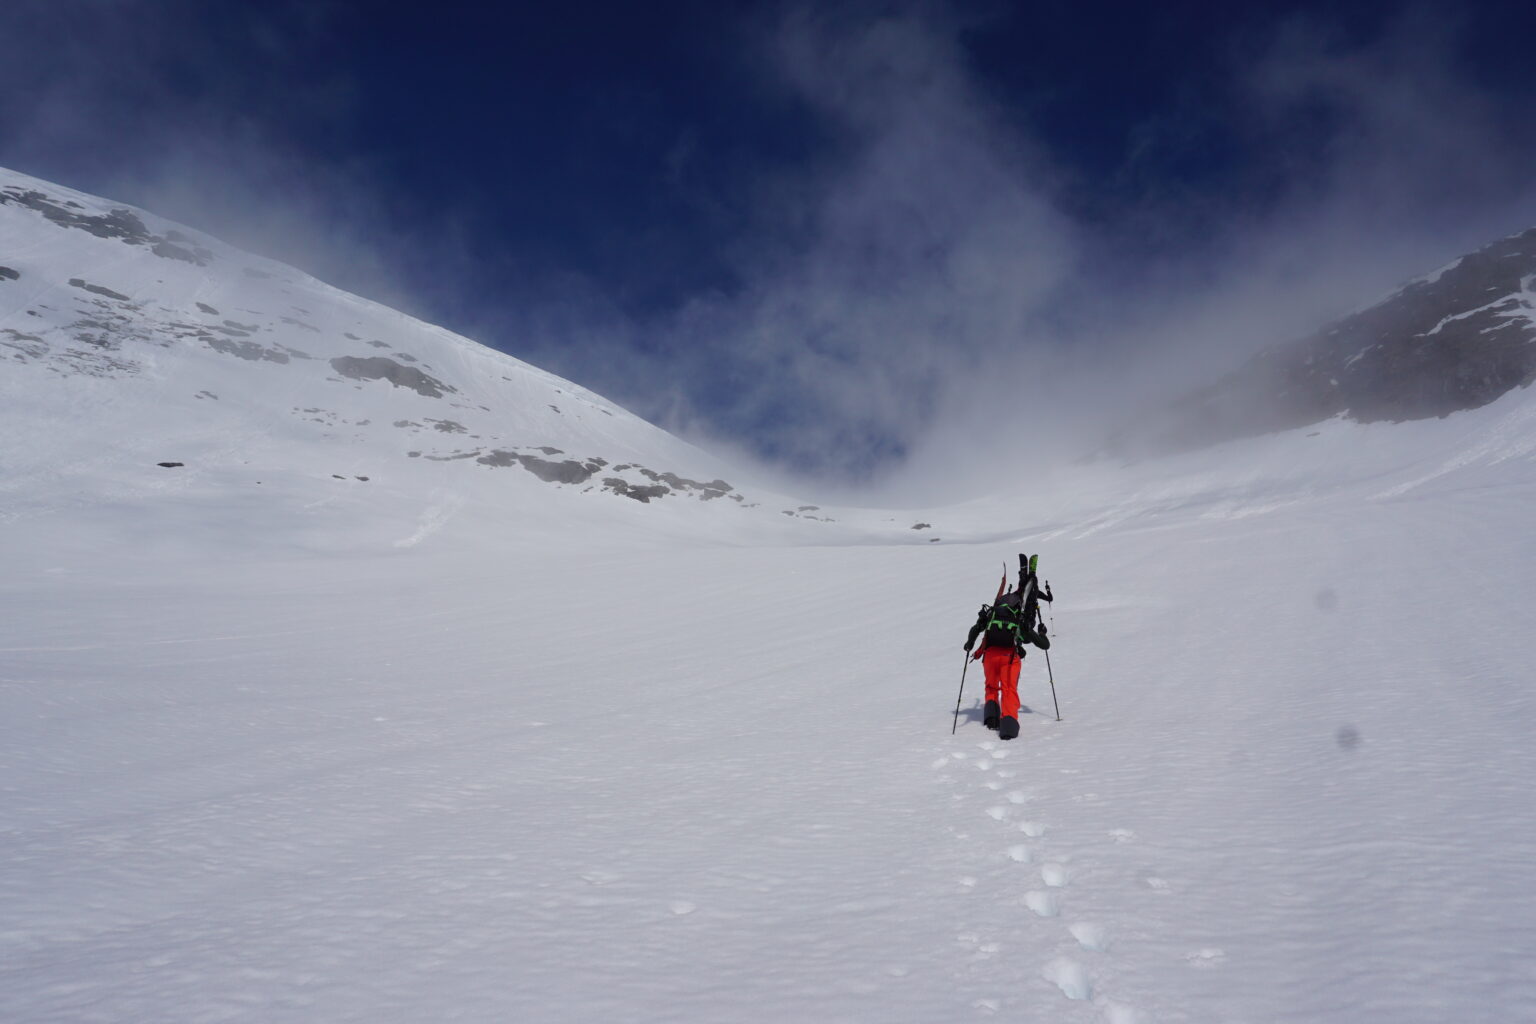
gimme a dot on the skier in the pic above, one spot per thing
(1005, 627)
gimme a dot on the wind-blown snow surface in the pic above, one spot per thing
(454, 744)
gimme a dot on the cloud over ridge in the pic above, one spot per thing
(937, 285)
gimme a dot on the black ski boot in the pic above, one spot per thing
(1008, 728)
(989, 715)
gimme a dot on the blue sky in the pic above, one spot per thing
(846, 239)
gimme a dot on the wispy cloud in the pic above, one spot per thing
(1369, 161)
(918, 255)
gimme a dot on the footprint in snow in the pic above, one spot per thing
(1122, 835)
(997, 813)
(1044, 904)
(1018, 796)
(1033, 829)
(1019, 853)
(683, 907)
(1054, 875)
(1070, 977)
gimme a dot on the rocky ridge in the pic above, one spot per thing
(1453, 340)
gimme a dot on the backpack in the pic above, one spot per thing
(1004, 622)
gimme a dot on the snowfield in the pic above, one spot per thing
(278, 744)
(526, 773)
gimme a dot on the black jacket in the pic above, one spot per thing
(1027, 633)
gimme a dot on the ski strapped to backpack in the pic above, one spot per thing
(1031, 604)
(1008, 620)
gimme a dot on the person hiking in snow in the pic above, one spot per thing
(1005, 627)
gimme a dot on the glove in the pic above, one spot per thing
(967, 648)
(1042, 641)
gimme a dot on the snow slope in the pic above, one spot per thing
(457, 744)
(127, 342)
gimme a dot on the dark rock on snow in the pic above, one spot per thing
(381, 368)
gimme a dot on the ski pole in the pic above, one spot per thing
(1052, 676)
(961, 695)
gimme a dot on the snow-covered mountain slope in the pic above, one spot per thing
(150, 362)
(455, 744)
(1452, 340)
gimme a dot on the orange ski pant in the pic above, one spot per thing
(1002, 665)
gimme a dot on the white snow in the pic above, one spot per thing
(456, 744)
(1503, 300)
